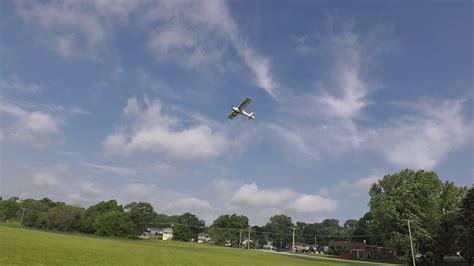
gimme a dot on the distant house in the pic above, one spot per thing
(145, 235)
(268, 245)
(358, 250)
(337, 246)
(373, 251)
(157, 233)
(203, 237)
(246, 242)
(167, 233)
(300, 247)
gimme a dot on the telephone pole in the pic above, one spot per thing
(23, 214)
(293, 246)
(240, 238)
(248, 240)
(411, 242)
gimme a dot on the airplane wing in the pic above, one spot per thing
(244, 104)
(233, 114)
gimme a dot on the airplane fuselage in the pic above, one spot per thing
(249, 115)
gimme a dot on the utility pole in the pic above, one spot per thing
(411, 243)
(248, 240)
(240, 238)
(315, 246)
(23, 214)
(293, 246)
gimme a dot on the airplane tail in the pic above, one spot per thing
(252, 115)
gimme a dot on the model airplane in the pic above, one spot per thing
(240, 110)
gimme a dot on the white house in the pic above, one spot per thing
(167, 233)
(158, 233)
(203, 237)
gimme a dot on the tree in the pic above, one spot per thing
(446, 234)
(140, 215)
(63, 218)
(350, 224)
(188, 227)
(419, 196)
(10, 209)
(112, 223)
(466, 224)
(225, 230)
(281, 226)
(34, 209)
(363, 230)
(94, 211)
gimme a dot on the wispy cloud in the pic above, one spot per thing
(197, 33)
(425, 136)
(74, 28)
(14, 83)
(111, 169)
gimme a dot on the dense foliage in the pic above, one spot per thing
(441, 217)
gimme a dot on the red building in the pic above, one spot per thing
(359, 250)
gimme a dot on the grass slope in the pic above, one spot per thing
(32, 247)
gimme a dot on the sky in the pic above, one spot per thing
(128, 100)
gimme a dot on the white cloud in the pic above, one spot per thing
(65, 46)
(352, 99)
(61, 109)
(49, 176)
(161, 168)
(90, 188)
(424, 138)
(353, 187)
(152, 131)
(282, 199)
(15, 84)
(346, 95)
(313, 204)
(223, 188)
(189, 204)
(261, 69)
(249, 194)
(12, 109)
(139, 189)
(35, 128)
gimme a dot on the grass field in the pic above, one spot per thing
(32, 247)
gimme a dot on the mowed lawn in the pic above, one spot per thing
(32, 247)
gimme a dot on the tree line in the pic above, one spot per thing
(441, 216)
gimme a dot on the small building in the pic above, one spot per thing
(167, 233)
(145, 235)
(203, 237)
(360, 250)
(157, 233)
(336, 247)
(354, 250)
(300, 247)
(376, 252)
(268, 245)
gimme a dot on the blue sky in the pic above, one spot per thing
(129, 100)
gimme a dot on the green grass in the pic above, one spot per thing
(23, 246)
